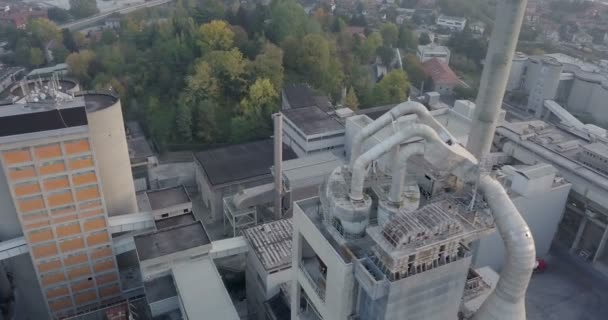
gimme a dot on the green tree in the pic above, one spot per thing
(392, 88)
(255, 109)
(414, 70)
(407, 39)
(60, 53)
(159, 120)
(386, 54)
(79, 64)
(351, 101)
(215, 35)
(424, 39)
(36, 57)
(183, 122)
(44, 30)
(367, 50)
(269, 64)
(58, 15)
(68, 40)
(83, 8)
(288, 18)
(390, 34)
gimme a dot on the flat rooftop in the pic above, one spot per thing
(598, 148)
(271, 243)
(96, 101)
(240, 162)
(65, 86)
(139, 149)
(175, 221)
(168, 197)
(313, 120)
(160, 288)
(171, 240)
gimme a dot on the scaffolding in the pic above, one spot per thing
(237, 219)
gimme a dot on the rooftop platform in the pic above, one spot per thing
(175, 221)
(170, 240)
(160, 288)
(168, 197)
(312, 120)
(271, 243)
(240, 162)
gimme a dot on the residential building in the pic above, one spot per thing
(452, 23)
(444, 80)
(431, 51)
(64, 171)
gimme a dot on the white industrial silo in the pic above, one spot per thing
(545, 85)
(109, 142)
(517, 71)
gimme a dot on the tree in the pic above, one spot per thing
(83, 8)
(269, 64)
(68, 40)
(36, 57)
(44, 30)
(367, 50)
(414, 70)
(390, 34)
(79, 64)
(386, 54)
(183, 122)
(254, 112)
(463, 64)
(407, 39)
(59, 15)
(215, 35)
(351, 101)
(288, 18)
(392, 88)
(424, 39)
(60, 53)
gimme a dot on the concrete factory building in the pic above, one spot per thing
(65, 170)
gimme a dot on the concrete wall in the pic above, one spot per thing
(542, 212)
(109, 143)
(9, 227)
(29, 298)
(161, 307)
(580, 95)
(173, 211)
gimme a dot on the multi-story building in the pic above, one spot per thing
(430, 51)
(452, 23)
(65, 169)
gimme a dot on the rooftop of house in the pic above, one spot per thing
(240, 162)
(271, 243)
(440, 72)
(312, 120)
(170, 240)
(168, 197)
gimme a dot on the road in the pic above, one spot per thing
(79, 24)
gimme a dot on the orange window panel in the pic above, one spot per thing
(71, 245)
(85, 297)
(60, 199)
(60, 211)
(57, 292)
(109, 291)
(98, 238)
(75, 259)
(103, 266)
(68, 230)
(46, 152)
(95, 224)
(85, 178)
(53, 278)
(29, 205)
(79, 272)
(52, 168)
(25, 189)
(22, 173)
(91, 213)
(87, 194)
(60, 304)
(100, 253)
(44, 250)
(106, 278)
(65, 219)
(74, 147)
(56, 183)
(49, 266)
(40, 236)
(76, 164)
(17, 156)
(89, 205)
(82, 285)
(36, 225)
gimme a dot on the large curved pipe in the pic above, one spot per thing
(399, 110)
(399, 169)
(507, 300)
(359, 168)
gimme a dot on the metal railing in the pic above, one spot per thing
(314, 284)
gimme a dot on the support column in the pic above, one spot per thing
(602, 245)
(579, 235)
(278, 165)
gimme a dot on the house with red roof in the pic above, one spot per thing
(443, 77)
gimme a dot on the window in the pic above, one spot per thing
(164, 215)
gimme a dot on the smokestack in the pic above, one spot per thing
(509, 17)
(278, 164)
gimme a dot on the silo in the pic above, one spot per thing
(582, 89)
(517, 71)
(546, 85)
(109, 142)
(597, 107)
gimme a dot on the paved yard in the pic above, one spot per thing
(565, 292)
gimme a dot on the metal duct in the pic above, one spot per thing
(509, 16)
(401, 109)
(507, 301)
(399, 169)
